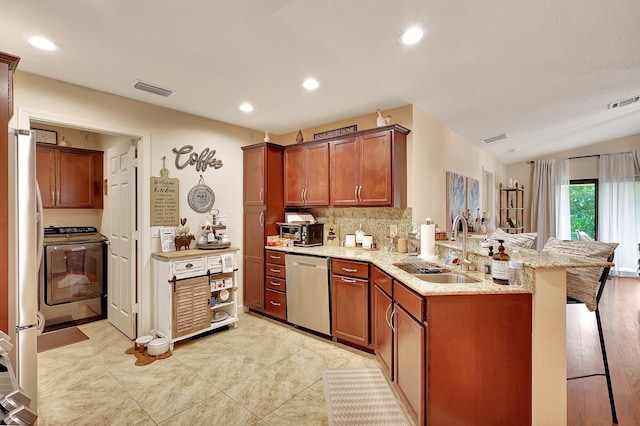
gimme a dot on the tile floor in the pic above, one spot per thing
(260, 373)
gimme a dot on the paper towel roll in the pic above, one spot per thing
(428, 242)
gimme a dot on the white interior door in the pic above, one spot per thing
(121, 290)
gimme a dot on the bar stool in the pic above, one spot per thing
(585, 285)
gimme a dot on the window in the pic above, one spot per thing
(583, 201)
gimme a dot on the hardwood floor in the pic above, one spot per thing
(588, 401)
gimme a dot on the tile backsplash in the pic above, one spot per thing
(376, 221)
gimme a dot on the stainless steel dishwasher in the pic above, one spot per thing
(308, 292)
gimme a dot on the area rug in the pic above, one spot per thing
(360, 396)
(57, 339)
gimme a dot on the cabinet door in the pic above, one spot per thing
(294, 176)
(74, 179)
(375, 177)
(253, 264)
(350, 309)
(409, 361)
(191, 306)
(345, 172)
(382, 334)
(45, 174)
(254, 172)
(317, 172)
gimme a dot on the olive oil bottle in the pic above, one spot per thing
(500, 266)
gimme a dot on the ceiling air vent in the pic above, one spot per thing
(494, 138)
(156, 90)
(626, 102)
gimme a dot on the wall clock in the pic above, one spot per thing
(201, 197)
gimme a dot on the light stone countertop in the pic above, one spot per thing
(385, 260)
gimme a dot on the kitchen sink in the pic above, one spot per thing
(446, 278)
(433, 273)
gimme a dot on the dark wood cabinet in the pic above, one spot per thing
(276, 284)
(381, 332)
(370, 168)
(350, 301)
(306, 171)
(409, 350)
(479, 359)
(263, 208)
(69, 177)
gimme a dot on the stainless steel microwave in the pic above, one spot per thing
(303, 234)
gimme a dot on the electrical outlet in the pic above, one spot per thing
(393, 230)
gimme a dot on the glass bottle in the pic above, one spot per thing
(516, 269)
(500, 266)
(359, 236)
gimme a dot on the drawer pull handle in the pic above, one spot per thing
(275, 304)
(274, 284)
(189, 265)
(277, 271)
(347, 280)
(275, 257)
(349, 270)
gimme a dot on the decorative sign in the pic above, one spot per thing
(336, 132)
(165, 193)
(203, 160)
(201, 197)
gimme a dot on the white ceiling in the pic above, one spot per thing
(540, 71)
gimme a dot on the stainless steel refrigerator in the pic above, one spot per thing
(25, 254)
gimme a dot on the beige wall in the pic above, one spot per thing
(579, 168)
(167, 129)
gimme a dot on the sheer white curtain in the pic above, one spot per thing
(617, 208)
(550, 212)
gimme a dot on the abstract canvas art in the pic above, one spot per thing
(456, 197)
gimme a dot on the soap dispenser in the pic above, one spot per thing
(500, 266)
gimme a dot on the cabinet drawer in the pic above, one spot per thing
(410, 301)
(277, 284)
(276, 303)
(382, 280)
(276, 257)
(189, 267)
(274, 270)
(350, 268)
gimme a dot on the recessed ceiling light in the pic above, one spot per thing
(310, 84)
(246, 107)
(412, 36)
(43, 43)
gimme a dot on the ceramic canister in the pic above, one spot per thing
(350, 240)
(367, 241)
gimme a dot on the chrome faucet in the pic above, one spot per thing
(464, 262)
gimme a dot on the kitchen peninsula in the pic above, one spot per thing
(473, 352)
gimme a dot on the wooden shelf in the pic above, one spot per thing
(511, 209)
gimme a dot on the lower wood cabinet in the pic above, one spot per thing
(409, 356)
(350, 301)
(275, 284)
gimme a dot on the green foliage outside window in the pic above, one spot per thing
(583, 209)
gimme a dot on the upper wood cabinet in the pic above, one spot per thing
(306, 171)
(69, 177)
(370, 168)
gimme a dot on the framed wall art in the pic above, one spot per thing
(45, 136)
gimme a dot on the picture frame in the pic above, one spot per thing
(45, 136)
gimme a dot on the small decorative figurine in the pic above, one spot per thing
(380, 120)
(299, 137)
(266, 136)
